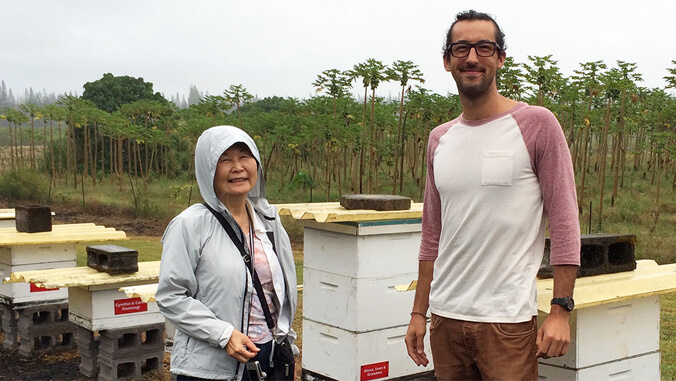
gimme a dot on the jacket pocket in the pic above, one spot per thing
(497, 168)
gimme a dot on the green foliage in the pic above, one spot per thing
(24, 184)
(111, 92)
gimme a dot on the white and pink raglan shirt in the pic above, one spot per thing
(491, 185)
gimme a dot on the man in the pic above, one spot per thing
(494, 175)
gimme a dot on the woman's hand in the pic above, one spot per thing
(241, 347)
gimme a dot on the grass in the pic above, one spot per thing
(668, 336)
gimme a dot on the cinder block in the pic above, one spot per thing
(599, 254)
(89, 366)
(9, 326)
(375, 202)
(87, 341)
(119, 343)
(33, 219)
(45, 329)
(130, 367)
(112, 259)
(88, 347)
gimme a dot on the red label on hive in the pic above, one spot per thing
(375, 371)
(130, 306)
(35, 288)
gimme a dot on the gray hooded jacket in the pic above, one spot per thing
(204, 286)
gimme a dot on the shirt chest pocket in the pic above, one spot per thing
(497, 168)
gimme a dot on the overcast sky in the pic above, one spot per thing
(279, 47)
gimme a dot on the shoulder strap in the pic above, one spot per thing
(249, 265)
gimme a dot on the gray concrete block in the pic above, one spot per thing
(45, 329)
(10, 319)
(112, 259)
(87, 342)
(599, 254)
(117, 343)
(89, 366)
(130, 367)
(375, 202)
(33, 219)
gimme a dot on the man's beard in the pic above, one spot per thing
(473, 91)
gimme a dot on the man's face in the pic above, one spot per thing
(474, 75)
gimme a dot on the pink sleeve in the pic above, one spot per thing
(431, 219)
(551, 161)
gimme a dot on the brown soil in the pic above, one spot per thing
(112, 219)
(52, 367)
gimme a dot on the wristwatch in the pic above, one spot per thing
(567, 303)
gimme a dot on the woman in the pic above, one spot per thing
(205, 288)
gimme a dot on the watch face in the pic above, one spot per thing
(566, 303)
(570, 304)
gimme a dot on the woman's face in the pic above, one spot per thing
(236, 173)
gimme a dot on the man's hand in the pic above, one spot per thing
(414, 340)
(241, 347)
(554, 335)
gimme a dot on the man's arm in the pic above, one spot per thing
(554, 335)
(418, 324)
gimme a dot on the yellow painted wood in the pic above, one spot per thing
(333, 212)
(66, 233)
(146, 292)
(648, 279)
(85, 276)
(407, 287)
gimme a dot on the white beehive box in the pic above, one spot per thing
(356, 304)
(344, 355)
(29, 292)
(644, 368)
(362, 250)
(100, 309)
(611, 332)
(39, 253)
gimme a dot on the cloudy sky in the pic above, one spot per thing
(278, 47)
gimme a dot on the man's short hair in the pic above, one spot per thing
(473, 15)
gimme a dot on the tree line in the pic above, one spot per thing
(119, 128)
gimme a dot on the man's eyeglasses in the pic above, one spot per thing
(483, 49)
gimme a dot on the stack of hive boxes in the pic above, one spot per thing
(34, 318)
(354, 320)
(131, 332)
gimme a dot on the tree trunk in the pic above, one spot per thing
(603, 152)
(363, 143)
(399, 142)
(657, 201)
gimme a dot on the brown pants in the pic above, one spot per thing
(464, 350)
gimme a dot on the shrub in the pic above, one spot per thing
(24, 184)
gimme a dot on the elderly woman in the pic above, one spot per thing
(205, 287)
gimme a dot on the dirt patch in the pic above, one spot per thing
(59, 367)
(133, 227)
(18, 368)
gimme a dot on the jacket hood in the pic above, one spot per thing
(210, 146)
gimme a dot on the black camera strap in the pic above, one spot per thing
(247, 262)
